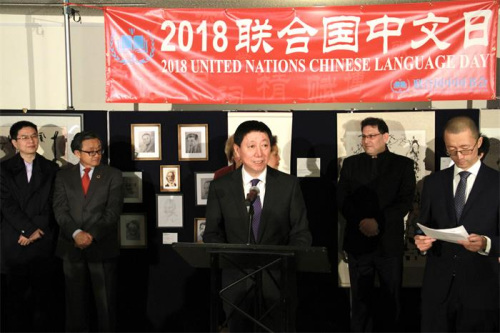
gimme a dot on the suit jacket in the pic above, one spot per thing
(225, 170)
(98, 213)
(283, 220)
(382, 188)
(26, 207)
(477, 275)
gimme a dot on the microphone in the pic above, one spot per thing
(252, 195)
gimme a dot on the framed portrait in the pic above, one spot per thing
(132, 231)
(170, 178)
(199, 229)
(55, 131)
(202, 185)
(132, 186)
(146, 141)
(169, 211)
(193, 142)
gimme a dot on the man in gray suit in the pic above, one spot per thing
(283, 216)
(88, 200)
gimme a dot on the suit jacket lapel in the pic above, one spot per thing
(75, 181)
(238, 196)
(271, 194)
(475, 192)
(94, 183)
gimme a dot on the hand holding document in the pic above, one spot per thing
(452, 235)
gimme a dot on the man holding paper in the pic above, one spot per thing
(461, 282)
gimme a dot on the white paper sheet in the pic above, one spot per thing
(448, 235)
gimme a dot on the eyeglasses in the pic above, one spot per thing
(369, 136)
(94, 152)
(463, 151)
(28, 137)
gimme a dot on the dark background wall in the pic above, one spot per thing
(158, 291)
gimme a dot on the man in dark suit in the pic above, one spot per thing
(460, 286)
(283, 217)
(28, 234)
(375, 192)
(88, 238)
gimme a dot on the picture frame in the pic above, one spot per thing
(169, 211)
(133, 230)
(199, 228)
(132, 186)
(56, 131)
(170, 178)
(193, 142)
(202, 185)
(146, 141)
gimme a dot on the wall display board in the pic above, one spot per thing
(56, 131)
(411, 134)
(324, 54)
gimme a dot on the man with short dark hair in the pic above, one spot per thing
(147, 145)
(460, 287)
(192, 143)
(283, 217)
(375, 192)
(88, 200)
(28, 234)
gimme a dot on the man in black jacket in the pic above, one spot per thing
(28, 234)
(283, 216)
(375, 192)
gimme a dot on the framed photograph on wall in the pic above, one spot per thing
(170, 178)
(169, 211)
(202, 185)
(193, 142)
(199, 229)
(132, 186)
(133, 230)
(146, 141)
(55, 133)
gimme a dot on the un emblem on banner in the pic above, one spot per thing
(132, 48)
(400, 86)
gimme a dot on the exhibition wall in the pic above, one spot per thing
(158, 290)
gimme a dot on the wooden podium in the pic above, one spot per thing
(253, 260)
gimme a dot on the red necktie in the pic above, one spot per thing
(86, 181)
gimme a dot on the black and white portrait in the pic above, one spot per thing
(133, 230)
(146, 141)
(193, 142)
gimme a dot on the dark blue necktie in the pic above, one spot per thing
(257, 210)
(460, 193)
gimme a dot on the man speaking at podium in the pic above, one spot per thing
(280, 216)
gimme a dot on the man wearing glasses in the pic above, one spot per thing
(460, 287)
(28, 235)
(88, 200)
(375, 192)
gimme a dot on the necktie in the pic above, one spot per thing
(86, 181)
(257, 210)
(460, 193)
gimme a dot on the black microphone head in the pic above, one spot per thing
(255, 189)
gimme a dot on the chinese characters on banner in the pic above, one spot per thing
(379, 53)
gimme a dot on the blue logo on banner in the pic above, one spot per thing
(132, 48)
(400, 86)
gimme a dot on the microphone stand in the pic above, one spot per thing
(250, 214)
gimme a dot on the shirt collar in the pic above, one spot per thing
(82, 169)
(247, 178)
(474, 169)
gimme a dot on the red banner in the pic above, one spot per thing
(379, 53)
